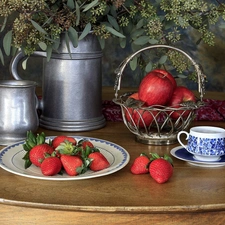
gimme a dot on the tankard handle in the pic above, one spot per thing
(14, 70)
(15, 61)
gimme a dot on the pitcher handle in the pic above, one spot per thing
(20, 56)
(179, 140)
(13, 69)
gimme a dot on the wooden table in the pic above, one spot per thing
(194, 195)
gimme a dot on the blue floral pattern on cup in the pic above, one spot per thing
(206, 146)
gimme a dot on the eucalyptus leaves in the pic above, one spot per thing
(38, 24)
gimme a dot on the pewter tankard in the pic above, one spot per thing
(18, 114)
(71, 86)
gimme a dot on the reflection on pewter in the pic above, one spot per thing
(18, 113)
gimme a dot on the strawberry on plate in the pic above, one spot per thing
(86, 143)
(98, 161)
(161, 169)
(31, 141)
(37, 153)
(73, 165)
(62, 138)
(75, 157)
(140, 165)
(66, 148)
(51, 166)
(86, 147)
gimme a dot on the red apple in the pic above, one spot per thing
(140, 117)
(136, 114)
(168, 75)
(134, 96)
(181, 94)
(155, 89)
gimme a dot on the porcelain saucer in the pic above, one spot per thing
(182, 154)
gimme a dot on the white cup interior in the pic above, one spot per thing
(207, 131)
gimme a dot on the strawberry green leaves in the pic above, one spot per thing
(33, 140)
(169, 159)
(156, 156)
(67, 148)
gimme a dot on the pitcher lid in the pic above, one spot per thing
(17, 83)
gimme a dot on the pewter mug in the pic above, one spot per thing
(18, 114)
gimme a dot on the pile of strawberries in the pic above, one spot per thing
(62, 154)
(159, 168)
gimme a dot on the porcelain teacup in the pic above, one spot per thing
(206, 143)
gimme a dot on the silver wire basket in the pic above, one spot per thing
(163, 129)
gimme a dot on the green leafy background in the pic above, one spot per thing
(212, 59)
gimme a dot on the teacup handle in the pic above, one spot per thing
(178, 138)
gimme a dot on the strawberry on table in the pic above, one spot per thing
(37, 153)
(51, 166)
(98, 161)
(73, 165)
(140, 165)
(161, 169)
(62, 138)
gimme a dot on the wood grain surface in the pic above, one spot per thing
(194, 195)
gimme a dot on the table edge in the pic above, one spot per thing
(119, 209)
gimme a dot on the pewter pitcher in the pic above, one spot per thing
(18, 114)
(72, 87)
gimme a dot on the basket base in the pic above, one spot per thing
(156, 140)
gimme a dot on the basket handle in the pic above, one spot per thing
(120, 69)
